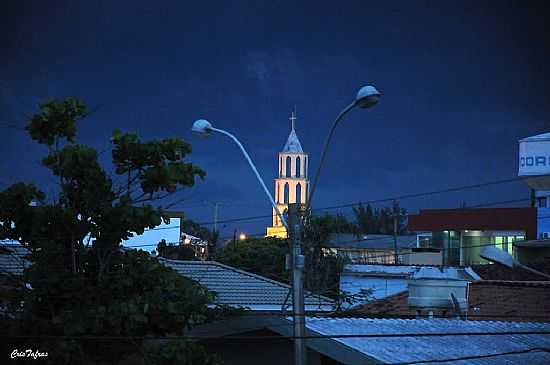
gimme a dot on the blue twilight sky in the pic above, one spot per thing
(462, 81)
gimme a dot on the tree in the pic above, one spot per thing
(262, 256)
(81, 282)
(322, 269)
(378, 221)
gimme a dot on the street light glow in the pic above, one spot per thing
(242, 236)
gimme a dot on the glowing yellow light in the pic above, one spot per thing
(187, 241)
(242, 236)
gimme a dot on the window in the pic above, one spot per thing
(298, 166)
(299, 193)
(288, 167)
(286, 193)
(278, 197)
(280, 167)
(542, 202)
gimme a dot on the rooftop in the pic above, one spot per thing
(419, 340)
(239, 288)
(488, 300)
(371, 241)
(12, 258)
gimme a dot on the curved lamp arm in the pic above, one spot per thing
(324, 153)
(255, 171)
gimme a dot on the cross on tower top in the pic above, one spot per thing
(293, 119)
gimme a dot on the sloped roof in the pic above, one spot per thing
(239, 288)
(293, 144)
(420, 348)
(488, 300)
(12, 258)
(536, 138)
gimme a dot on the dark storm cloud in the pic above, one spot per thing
(462, 82)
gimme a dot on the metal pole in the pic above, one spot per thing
(283, 220)
(395, 218)
(324, 152)
(216, 216)
(297, 261)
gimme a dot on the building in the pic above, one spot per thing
(239, 288)
(337, 341)
(368, 249)
(291, 184)
(462, 233)
(365, 283)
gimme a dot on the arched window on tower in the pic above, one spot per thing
(280, 167)
(277, 196)
(298, 166)
(299, 193)
(288, 167)
(286, 193)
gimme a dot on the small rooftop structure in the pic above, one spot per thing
(385, 280)
(239, 288)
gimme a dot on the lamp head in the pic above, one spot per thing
(202, 127)
(367, 97)
(496, 255)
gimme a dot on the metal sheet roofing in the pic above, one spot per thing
(12, 258)
(243, 289)
(466, 342)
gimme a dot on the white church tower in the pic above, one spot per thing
(292, 184)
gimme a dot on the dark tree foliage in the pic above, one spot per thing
(262, 256)
(81, 282)
(379, 221)
(322, 269)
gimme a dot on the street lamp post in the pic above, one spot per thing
(204, 128)
(367, 97)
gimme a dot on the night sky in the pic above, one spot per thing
(462, 81)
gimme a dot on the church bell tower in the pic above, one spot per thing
(291, 184)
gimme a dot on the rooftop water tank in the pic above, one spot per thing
(431, 288)
(534, 161)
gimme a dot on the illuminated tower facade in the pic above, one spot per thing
(292, 184)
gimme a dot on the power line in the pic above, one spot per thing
(473, 357)
(306, 337)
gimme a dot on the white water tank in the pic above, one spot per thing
(431, 288)
(534, 161)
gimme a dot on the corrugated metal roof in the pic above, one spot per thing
(242, 289)
(428, 348)
(12, 258)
